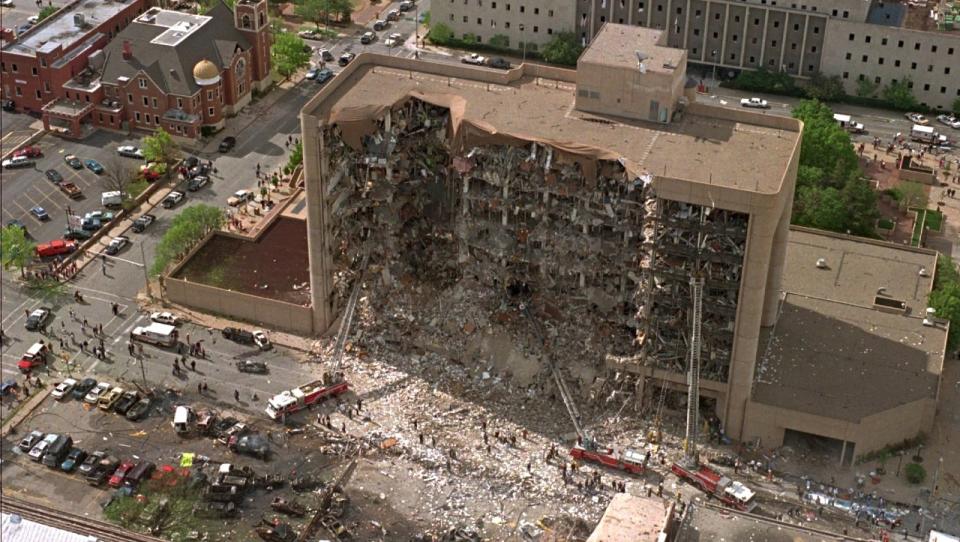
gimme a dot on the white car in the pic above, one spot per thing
(6, 3)
(240, 197)
(130, 151)
(261, 340)
(63, 389)
(950, 121)
(33, 19)
(755, 103)
(474, 59)
(166, 318)
(917, 118)
(94, 395)
(36, 453)
(117, 244)
(17, 161)
(394, 40)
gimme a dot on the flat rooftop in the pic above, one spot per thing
(629, 518)
(61, 30)
(702, 523)
(698, 148)
(179, 25)
(618, 45)
(831, 353)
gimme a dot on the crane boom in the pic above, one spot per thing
(347, 318)
(693, 370)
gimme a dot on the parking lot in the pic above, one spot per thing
(26, 188)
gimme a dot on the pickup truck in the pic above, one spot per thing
(474, 59)
(71, 190)
(755, 103)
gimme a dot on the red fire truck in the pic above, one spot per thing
(730, 492)
(628, 460)
(290, 401)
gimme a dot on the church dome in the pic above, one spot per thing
(206, 73)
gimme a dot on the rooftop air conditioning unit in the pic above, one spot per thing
(821, 263)
(78, 20)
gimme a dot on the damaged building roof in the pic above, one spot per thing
(629, 518)
(832, 352)
(698, 147)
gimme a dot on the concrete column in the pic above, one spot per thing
(706, 33)
(763, 38)
(743, 35)
(723, 35)
(315, 173)
(778, 256)
(803, 43)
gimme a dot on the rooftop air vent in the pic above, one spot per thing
(822, 263)
(889, 304)
(924, 272)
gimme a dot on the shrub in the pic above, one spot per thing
(500, 40)
(440, 34)
(564, 48)
(915, 472)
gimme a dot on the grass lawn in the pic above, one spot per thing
(176, 523)
(928, 220)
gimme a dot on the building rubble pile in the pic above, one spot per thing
(460, 242)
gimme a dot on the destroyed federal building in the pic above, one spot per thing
(602, 192)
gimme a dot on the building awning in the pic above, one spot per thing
(70, 109)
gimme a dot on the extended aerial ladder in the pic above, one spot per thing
(586, 448)
(345, 322)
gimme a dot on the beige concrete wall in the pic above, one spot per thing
(254, 309)
(871, 433)
(598, 85)
(931, 71)
(541, 19)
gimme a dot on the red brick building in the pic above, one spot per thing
(169, 69)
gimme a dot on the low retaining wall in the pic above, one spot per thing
(254, 309)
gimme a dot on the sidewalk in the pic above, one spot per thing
(24, 410)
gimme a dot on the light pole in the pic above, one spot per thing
(416, 30)
(713, 55)
(899, 462)
(146, 275)
(524, 44)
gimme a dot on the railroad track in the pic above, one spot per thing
(105, 532)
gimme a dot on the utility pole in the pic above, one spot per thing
(524, 44)
(146, 275)
(143, 372)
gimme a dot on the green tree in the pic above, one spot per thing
(289, 54)
(911, 194)
(860, 204)
(763, 80)
(945, 297)
(440, 34)
(899, 94)
(296, 156)
(820, 207)
(825, 145)
(315, 11)
(564, 48)
(826, 88)
(16, 250)
(342, 8)
(866, 88)
(187, 229)
(501, 41)
(160, 147)
(46, 11)
(956, 107)
(915, 473)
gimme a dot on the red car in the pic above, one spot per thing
(34, 357)
(55, 248)
(120, 474)
(29, 152)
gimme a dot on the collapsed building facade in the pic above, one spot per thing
(606, 188)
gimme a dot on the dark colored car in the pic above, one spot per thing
(254, 444)
(83, 388)
(102, 470)
(93, 166)
(346, 58)
(129, 399)
(142, 222)
(91, 224)
(73, 161)
(499, 63)
(77, 235)
(252, 366)
(8, 105)
(237, 335)
(228, 143)
(17, 224)
(53, 175)
(215, 510)
(38, 319)
(74, 459)
(324, 75)
(139, 410)
(91, 461)
(191, 162)
(198, 182)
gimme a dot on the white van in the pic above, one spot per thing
(155, 333)
(111, 199)
(181, 419)
(847, 123)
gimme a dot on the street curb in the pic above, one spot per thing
(23, 412)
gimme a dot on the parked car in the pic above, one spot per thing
(119, 475)
(393, 15)
(63, 389)
(28, 442)
(74, 459)
(917, 118)
(71, 190)
(57, 451)
(261, 340)
(55, 248)
(53, 176)
(77, 235)
(378, 25)
(346, 58)
(40, 213)
(93, 165)
(129, 399)
(172, 199)
(117, 244)
(406, 5)
(368, 37)
(474, 59)
(166, 318)
(240, 197)
(93, 397)
(91, 461)
(312, 73)
(17, 162)
(251, 366)
(252, 444)
(8, 105)
(35, 356)
(950, 120)
(139, 410)
(227, 144)
(394, 40)
(310, 35)
(91, 224)
(143, 222)
(110, 399)
(130, 151)
(755, 103)
(30, 151)
(141, 471)
(325, 55)
(102, 471)
(14, 223)
(215, 510)
(237, 335)
(324, 75)
(38, 318)
(500, 63)
(39, 449)
(83, 388)
(73, 161)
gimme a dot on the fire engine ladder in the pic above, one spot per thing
(558, 380)
(693, 372)
(347, 317)
(340, 482)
